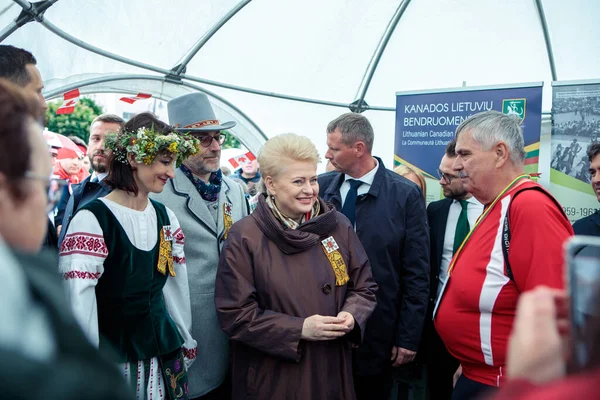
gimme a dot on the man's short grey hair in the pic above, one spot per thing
(490, 127)
(353, 127)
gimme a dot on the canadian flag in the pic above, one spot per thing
(242, 160)
(140, 96)
(71, 98)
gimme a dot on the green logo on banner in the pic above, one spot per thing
(514, 107)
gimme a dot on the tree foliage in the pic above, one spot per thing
(231, 142)
(78, 123)
(86, 110)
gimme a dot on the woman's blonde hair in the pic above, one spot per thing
(404, 170)
(278, 151)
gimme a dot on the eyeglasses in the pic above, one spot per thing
(447, 177)
(54, 188)
(206, 140)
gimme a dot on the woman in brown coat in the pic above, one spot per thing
(294, 288)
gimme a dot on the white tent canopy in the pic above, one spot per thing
(291, 66)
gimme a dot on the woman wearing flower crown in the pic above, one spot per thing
(123, 263)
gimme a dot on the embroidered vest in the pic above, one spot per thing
(132, 316)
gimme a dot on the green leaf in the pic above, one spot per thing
(78, 123)
(231, 142)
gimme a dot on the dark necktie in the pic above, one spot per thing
(462, 226)
(350, 202)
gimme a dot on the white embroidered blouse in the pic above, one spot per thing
(81, 262)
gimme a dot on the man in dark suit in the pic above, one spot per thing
(590, 225)
(449, 222)
(388, 213)
(92, 187)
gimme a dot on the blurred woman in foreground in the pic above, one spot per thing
(25, 168)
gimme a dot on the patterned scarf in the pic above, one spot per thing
(208, 191)
(290, 222)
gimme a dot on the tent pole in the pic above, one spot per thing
(8, 30)
(209, 35)
(113, 78)
(542, 15)
(30, 12)
(77, 42)
(59, 32)
(379, 52)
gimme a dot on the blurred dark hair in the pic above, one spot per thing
(17, 109)
(593, 151)
(108, 118)
(13, 62)
(252, 189)
(120, 175)
(77, 140)
(451, 148)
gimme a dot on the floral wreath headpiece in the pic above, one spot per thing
(146, 144)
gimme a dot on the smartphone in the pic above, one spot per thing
(583, 285)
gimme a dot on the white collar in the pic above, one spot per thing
(99, 176)
(471, 200)
(367, 178)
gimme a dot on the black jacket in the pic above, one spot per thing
(589, 226)
(437, 215)
(83, 193)
(51, 241)
(391, 223)
(238, 174)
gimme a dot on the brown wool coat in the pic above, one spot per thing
(269, 280)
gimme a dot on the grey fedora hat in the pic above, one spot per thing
(193, 113)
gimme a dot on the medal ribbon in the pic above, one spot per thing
(227, 220)
(165, 256)
(481, 218)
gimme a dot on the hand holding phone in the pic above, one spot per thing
(583, 284)
(536, 351)
(554, 330)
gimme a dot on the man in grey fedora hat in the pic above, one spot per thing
(206, 204)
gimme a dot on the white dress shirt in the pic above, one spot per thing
(366, 179)
(474, 210)
(99, 176)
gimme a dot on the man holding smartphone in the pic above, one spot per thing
(515, 246)
(590, 225)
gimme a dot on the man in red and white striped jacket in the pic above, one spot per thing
(515, 246)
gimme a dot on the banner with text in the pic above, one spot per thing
(427, 121)
(575, 126)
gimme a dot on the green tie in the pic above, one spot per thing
(462, 226)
